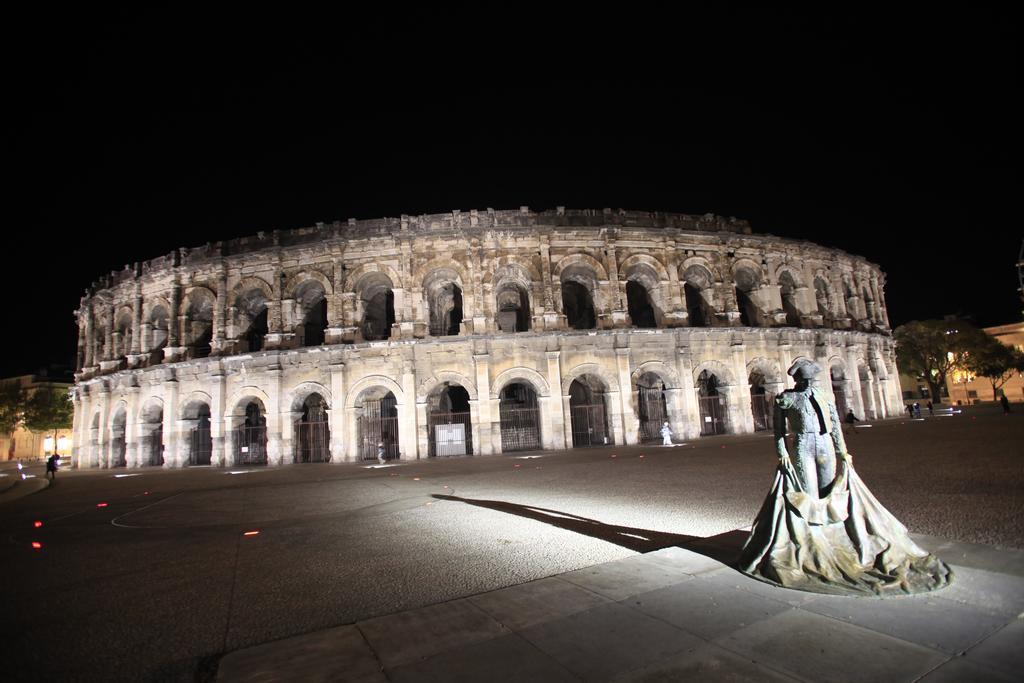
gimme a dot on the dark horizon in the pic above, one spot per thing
(890, 139)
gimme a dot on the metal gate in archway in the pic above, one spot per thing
(449, 434)
(154, 444)
(712, 415)
(761, 409)
(200, 450)
(520, 418)
(251, 445)
(653, 412)
(378, 424)
(117, 452)
(589, 426)
(312, 442)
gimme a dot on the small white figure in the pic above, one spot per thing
(666, 435)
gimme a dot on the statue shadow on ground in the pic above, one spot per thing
(724, 547)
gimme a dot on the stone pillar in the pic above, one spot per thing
(77, 429)
(219, 442)
(561, 437)
(288, 420)
(136, 325)
(132, 450)
(173, 438)
(630, 424)
(785, 360)
(690, 427)
(219, 310)
(407, 417)
(743, 420)
(339, 434)
(103, 437)
(109, 353)
(273, 416)
(853, 377)
(483, 414)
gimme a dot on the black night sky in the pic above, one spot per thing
(883, 133)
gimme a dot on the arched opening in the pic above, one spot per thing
(445, 309)
(697, 279)
(638, 302)
(124, 336)
(251, 435)
(520, 418)
(200, 440)
(152, 429)
(787, 290)
(838, 390)
(117, 438)
(578, 306)
(588, 413)
(821, 297)
(449, 421)
(251, 320)
(651, 406)
(312, 305)
(712, 404)
(159, 323)
(760, 402)
(513, 307)
(377, 423)
(695, 306)
(199, 324)
(746, 283)
(312, 432)
(378, 300)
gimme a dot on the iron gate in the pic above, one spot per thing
(840, 401)
(200, 450)
(251, 445)
(450, 434)
(589, 426)
(712, 415)
(761, 408)
(652, 413)
(312, 442)
(117, 452)
(154, 443)
(520, 429)
(375, 426)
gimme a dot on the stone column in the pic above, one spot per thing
(275, 453)
(103, 438)
(219, 447)
(630, 424)
(136, 325)
(743, 422)
(785, 360)
(560, 436)
(90, 342)
(132, 455)
(853, 377)
(407, 417)
(690, 427)
(219, 309)
(172, 437)
(79, 419)
(483, 414)
(339, 434)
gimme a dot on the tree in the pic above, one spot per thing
(12, 406)
(996, 362)
(934, 348)
(48, 410)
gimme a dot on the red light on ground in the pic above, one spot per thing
(36, 545)
(251, 533)
(723, 446)
(614, 456)
(101, 505)
(37, 524)
(516, 466)
(641, 456)
(145, 493)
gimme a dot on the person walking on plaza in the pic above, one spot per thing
(910, 410)
(1005, 403)
(51, 467)
(381, 457)
(931, 409)
(666, 435)
(850, 420)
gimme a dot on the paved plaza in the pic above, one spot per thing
(594, 564)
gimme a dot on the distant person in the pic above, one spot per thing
(1005, 403)
(850, 420)
(52, 463)
(931, 409)
(666, 435)
(910, 410)
(381, 455)
(917, 409)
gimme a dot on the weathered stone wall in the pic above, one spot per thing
(162, 337)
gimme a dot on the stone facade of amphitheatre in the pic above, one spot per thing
(481, 333)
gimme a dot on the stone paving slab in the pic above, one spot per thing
(669, 615)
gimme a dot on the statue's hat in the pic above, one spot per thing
(804, 369)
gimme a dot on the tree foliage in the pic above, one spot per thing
(934, 348)
(12, 406)
(994, 361)
(48, 409)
